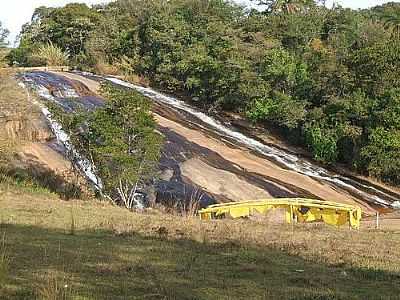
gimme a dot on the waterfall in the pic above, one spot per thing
(84, 165)
(289, 160)
(66, 92)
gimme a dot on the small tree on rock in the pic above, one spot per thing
(121, 141)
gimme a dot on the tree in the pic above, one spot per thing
(121, 141)
(381, 154)
(279, 109)
(3, 36)
(52, 55)
(392, 22)
(66, 27)
(286, 6)
(322, 142)
(389, 14)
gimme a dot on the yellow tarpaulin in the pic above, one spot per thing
(304, 210)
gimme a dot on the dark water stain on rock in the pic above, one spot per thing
(70, 95)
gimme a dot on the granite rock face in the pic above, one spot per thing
(23, 126)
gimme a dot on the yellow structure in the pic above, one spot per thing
(304, 210)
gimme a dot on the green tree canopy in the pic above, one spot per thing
(121, 141)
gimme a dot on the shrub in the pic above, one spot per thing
(121, 140)
(52, 55)
(279, 109)
(322, 142)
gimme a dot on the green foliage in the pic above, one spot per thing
(322, 142)
(390, 15)
(286, 6)
(280, 109)
(120, 139)
(24, 55)
(52, 55)
(377, 67)
(381, 155)
(281, 69)
(66, 28)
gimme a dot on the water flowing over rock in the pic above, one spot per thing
(357, 188)
(36, 83)
(208, 159)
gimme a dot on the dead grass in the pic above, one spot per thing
(54, 288)
(137, 79)
(102, 67)
(115, 254)
(12, 97)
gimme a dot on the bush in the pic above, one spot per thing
(52, 55)
(381, 154)
(322, 142)
(280, 109)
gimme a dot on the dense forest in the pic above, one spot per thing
(327, 79)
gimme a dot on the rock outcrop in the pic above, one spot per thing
(24, 126)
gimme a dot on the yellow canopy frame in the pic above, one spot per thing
(305, 210)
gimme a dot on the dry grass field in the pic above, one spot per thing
(92, 250)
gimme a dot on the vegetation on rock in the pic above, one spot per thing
(121, 142)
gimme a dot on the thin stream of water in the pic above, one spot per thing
(62, 137)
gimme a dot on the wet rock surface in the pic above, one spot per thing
(209, 160)
(73, 96)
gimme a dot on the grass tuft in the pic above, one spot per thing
(52, 55)
(72, 227)
(54, 289)
(4, 261)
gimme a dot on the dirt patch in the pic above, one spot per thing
(28, 127)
